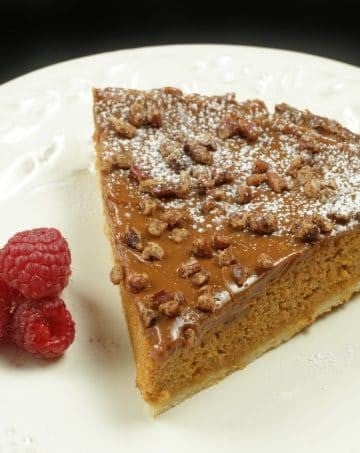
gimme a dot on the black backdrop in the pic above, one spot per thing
(37, 33)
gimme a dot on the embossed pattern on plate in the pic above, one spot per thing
(302, 396)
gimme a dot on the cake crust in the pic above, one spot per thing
(227, 223)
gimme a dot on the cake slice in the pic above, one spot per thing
(232, 228)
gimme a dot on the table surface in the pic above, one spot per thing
(43, 32)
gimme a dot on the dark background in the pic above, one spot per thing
(37, 33)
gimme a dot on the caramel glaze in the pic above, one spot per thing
(321, 183)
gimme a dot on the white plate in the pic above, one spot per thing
(303, 396)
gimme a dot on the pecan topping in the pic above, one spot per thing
(265, 262)
(170, 308)
(256, 179)
(208, 206)
(222, 177)
(165, 189)
(156, 227)
(206, 303)
(132, 238)
(312, 188)
(221, 241)
(173, 154)
(173, 91)
(138, 282)
(238, 221)
(137, 114)
(260, 166)
(153, 251)
(148, 316)
(305, 174)
(239, 274)
(202, 248)
(262, 223)
(122, 159)
(199, 153)
(306, 230)
(216, 194)
(243, 195)
(123, 128)
(339, 217)
(138, 174)
(226, 257)
(189, 268)
(325, 225)
(295, 165)
(161, 297)
(116, 275)
(232, 124)
(174, 217)
(150, 206)
(153, 114)
(179, 235)
(276, 182)
(248, 130)
(200, 278)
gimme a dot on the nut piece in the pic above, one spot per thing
(160, 297)
(173, 91)
(256, 179)
(201, 247)
(173, 154)
(153, 251)
(221, 241)
(222, 177)
(122, 159)
(123, 128)
(138, 174)
(138, 282)
(156, 227)
(132, 238)
(206, 303)
(276, 182)
(116, 275)
(265, 262)
(208, 206)
(189, 268)
(306, 230)
(148, 316)
(179, 235)
(148, 207)
(295, 165)
(171, 308)
(243, 195)
(216, 194)
(199, 153)
(260, 166)
(312, 188)
(262, 223)
(137, 114)
(339, 217)
(306, 173)
(238, 221)
(226, 257)
(174, 217)
(200, 278)
(239, 273)
(229, 126)
(248, 130)
(325, 225)
(153, 114)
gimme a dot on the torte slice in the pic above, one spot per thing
(232, 228)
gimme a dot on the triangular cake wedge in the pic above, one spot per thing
(232, 228)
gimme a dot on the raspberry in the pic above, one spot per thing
(43, 327)
(36, 263)
(8, 301)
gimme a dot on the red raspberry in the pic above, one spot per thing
(36, 263)
(9, 299)
(43, 327)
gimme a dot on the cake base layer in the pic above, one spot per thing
(283, 336)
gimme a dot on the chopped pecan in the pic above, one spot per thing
(153, 251)
(260, 166)
(132, 238)
(306, 230)
(221, 241)
(229, 126)
(147, 185)
(208, 206)
(201, 247)
(325, 225)
(276, 182)
(222, 177)
(137, 114)
(138, 174)
(199, 153)
(173, 91)
(179, 235)
(165, 189)
(239, 274)
(200, 278)
(172, 152)
(116, 275)
(138, 282)
(174, 217)
(149, 206)
(156, 227)
(206, 303)
(265, 262)
(304, 174)
(248, 130)
(312, 188)
(243, 195)
(122, 159)
(261, 223)
(295, 165)
(238, 221)
(226, 257)
(339, 217)
(189, 335)
(216, 194)
(153, 114)
(123, 128)
(148, 316)
(189, 268)
(161, 297)
(170, 308)
(256, 179)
